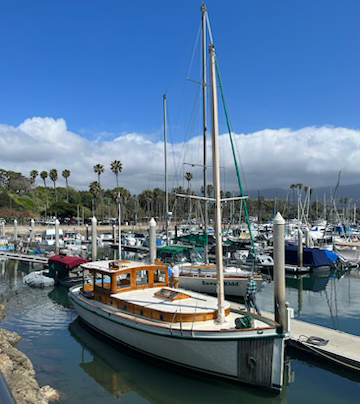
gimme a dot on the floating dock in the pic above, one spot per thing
(24, 257)
(341, 349)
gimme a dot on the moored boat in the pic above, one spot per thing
(131, 303)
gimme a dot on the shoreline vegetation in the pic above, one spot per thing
(20, 198)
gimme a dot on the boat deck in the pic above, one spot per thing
(209, 325)
(148, 299)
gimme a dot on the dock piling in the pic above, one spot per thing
(93, 238)
(279, 271)
(300, 249)
(15, 229)
(152, 240)
(57, 238)
(32, 231)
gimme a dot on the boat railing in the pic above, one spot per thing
(172, 321)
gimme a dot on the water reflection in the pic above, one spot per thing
(120, 374)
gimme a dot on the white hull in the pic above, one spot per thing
(232, 286)
(224, 354)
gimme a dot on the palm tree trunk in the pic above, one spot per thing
(46, 195)
(101, 199)
(67, 190)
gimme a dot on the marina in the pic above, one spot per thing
(102, 372)
(211, 254)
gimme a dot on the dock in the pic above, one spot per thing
(341, 349)
(24, 257)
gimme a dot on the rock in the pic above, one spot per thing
(51, 394)
(2, 311)
(8, 337)
(20, 374)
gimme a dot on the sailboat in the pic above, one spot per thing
(132, 304)
(197, 275)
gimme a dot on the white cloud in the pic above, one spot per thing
(271, 157)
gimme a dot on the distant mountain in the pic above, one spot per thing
(344, 191)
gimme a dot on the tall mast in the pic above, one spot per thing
(206, 218)
(166, 179)
(216, 175)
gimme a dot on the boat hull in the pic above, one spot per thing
(232, 286)
(251, 358)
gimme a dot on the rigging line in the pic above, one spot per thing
(209, 28)
(237, 152)
(181, 56)
(171, 138)
(187, 132)
(194, 51)
(235, 160)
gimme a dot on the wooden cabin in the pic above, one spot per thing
(142, 289)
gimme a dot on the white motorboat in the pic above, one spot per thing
(49, 237)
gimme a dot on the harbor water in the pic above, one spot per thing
(85, 368)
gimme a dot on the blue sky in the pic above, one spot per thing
(103, 66)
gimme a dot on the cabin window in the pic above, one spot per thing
(159, 276)
(106, 282)
(142, 277)
(123, 280)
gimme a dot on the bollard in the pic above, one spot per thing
(152, 240)
(300, 249)
(279, 271)
(93, 238)
(15, 229)
(57, 238)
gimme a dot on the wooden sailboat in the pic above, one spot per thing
(131, 303)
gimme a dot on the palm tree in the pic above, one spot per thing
(33, 175)
(44, 175)
(66, 175)
(210, 189)
(94, 190)
(54, 176)
(99, 169)
(116, 168)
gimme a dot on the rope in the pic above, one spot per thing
(235, 160)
